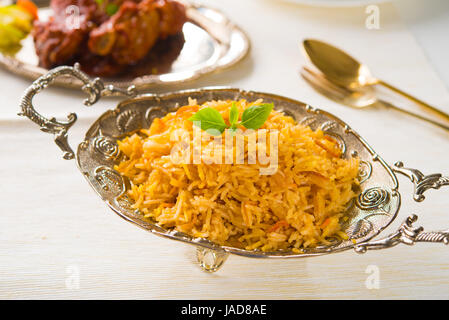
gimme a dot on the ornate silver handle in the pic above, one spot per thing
(406, 233)
(94, 88)
(421, 182)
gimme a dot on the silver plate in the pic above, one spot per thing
(370, 213)
(212, 43)
(374, 208)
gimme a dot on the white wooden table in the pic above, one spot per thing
(58, 240)
(428, 21)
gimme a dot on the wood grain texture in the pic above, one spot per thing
(52, 223)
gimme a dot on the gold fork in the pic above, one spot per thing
(354, 98)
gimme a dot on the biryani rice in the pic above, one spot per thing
(302, 205)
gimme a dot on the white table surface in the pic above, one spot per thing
(55, 230)
(429, 21)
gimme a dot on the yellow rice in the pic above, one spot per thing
(299, 206)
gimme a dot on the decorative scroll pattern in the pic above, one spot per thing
(373, 198)
(107, 147)
(328, 126)
(365, 171)
(129, 120)
(154, 112)
(422, 182)
(109, 180)
(308, 121)
(361, 229)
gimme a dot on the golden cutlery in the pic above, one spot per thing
(353, 98)
(344, 70)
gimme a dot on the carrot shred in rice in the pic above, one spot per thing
(299, 206)
(331, 150)
(325, 223)
(278, 225)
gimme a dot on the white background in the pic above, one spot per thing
(429, 22)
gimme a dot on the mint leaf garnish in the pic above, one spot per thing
(211, 121)
(233, 115)
(254, 117)
(209, 118)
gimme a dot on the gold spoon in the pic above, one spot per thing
(354, 98)
(344, 70)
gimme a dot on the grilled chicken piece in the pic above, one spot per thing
(173, 17)
(129, 34)
(134, 29)
(55, 43)
(122, 39)
(61, 38)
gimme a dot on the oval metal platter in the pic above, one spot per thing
(373, 210)
(210, 42)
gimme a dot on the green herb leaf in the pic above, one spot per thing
(209, 118)
(111, 8)
(233, 115)
(99, 2)
(254, 117)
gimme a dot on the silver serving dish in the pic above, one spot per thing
(373, 210)
(212, 43)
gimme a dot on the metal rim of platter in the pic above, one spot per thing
(212, 42)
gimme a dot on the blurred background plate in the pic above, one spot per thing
(209, 42)
(337, 3)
